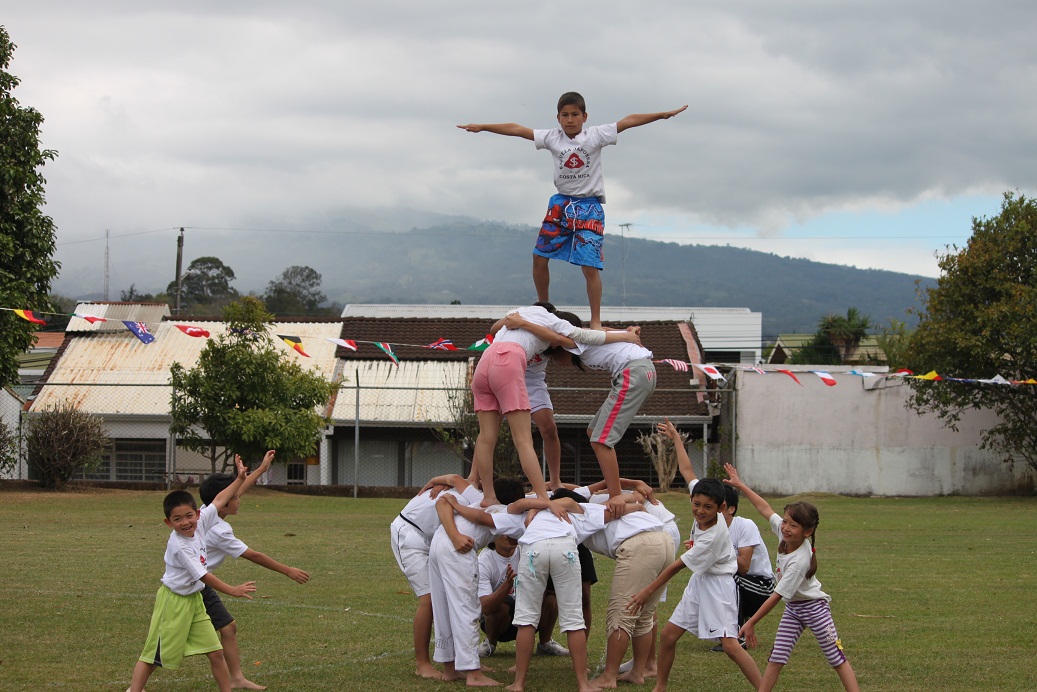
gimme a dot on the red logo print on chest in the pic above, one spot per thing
(573, 161)
(201, 558)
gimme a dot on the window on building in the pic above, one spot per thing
(296, 473)
(131, 460)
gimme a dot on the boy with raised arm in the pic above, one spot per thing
(221, 543)
(179, 624)
(573, 229)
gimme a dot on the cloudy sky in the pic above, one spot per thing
(861, 133)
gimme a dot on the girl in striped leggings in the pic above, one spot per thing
(806, 605)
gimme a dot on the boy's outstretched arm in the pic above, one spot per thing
(228, 493)
(638, 119)
(683, 460)
(240, 591)
(263, 467)
(263, 560)
(758, 502)
(507, 129)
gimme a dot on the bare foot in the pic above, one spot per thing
(486, 669)
(513, 669)
(603, 682)
(488, 501)
(245, 684)
(631, 678)
(477, 679)
(429, 672)
(452, 677)
(515, 687)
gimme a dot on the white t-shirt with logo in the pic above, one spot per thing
(577, 160)
(492, 569)
(186, 558)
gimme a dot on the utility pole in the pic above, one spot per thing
(623, 229)
(106, 265)
(179, 266)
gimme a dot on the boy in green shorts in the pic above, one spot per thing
(179, 624)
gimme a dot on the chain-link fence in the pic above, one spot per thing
(377, 436)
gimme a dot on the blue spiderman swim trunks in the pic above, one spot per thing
(573, 230)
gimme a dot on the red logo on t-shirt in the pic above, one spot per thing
(574, 161)
(201, 558)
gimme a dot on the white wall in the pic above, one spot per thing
(852, 440)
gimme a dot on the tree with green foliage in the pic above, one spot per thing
(295, 292)
(205, 286)
(980, 320)
(245, 395)
(836, 341)
(27, 236)
(63, 440)
(8, 449)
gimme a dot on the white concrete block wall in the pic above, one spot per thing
(851, 440)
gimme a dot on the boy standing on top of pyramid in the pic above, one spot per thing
(574, 227)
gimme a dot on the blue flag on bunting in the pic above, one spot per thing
(140, 330)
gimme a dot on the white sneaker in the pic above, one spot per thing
(486, 648)
(627, 667)
(552, 648)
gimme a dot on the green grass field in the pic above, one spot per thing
(933, 593)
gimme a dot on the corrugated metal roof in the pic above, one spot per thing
(94, 369)
(415, 392)
(719, 329)
(150, 314)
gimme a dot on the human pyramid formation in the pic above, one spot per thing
(539, 568)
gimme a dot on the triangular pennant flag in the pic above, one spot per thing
(140, 330)
(27, 315)
(861, 373)
(792, 375)
(192, 331)
(481, 344)
(825, 377)
(344, 343)
(931, 376)
(996, 379)
(756, 369)
(442, 345)
(92, 319)
(903, 372)
(388, 351)
(678, 365)
(295, 342)
(711, 371)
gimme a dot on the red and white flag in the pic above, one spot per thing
(710, 371)
(678, 365)
(825, 377)
(193, 331)
(344, 343)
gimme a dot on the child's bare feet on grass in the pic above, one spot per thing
(245, 684)
(603, 682)
(477, 679)
(451, 676)
(428, 672)
(633, 679)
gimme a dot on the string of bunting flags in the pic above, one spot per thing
(140, 330)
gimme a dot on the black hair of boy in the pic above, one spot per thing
(571, 98)
(731, 497)
(214, 485)
(545, 305)
(178, 498)
(711, 488)
(508, 490)
(565, 492)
